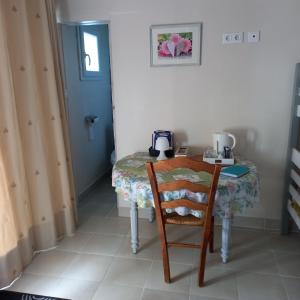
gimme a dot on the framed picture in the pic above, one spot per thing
(175, 44)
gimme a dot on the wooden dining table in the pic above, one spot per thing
(234, 195)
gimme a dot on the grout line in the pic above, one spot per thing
(99, 284)
(289, 276)
(280, 277)
(236, 285)
(107, 215)
(147, 277)
(276, 261)
(108, 267)
(284, 288)
(95, 234)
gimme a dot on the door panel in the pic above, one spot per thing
(91, 157)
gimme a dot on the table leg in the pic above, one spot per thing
(226, 236)
(134, 226)
(151, 214)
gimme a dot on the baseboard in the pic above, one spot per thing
(91, 186)
(238, 221)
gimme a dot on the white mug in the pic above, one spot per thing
(223, 139)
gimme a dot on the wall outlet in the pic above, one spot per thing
(233, 38)
(226, 38)
(253, 37)
(237, 37)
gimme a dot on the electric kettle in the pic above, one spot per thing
(223, 139)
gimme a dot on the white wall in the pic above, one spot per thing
(243, 88)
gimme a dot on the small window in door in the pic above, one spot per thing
(89, 53)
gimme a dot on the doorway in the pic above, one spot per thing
(88, 96)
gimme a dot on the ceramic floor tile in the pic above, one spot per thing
(258, 287)
(288, 243)
(180, 255)
(102, 196)
(88, 267)
(180, 277)
(252, 240)
(36, 284)
(75, 289)
(147, 230)
(219, 283)
(103, 244)
(82, 218)
(97, 209)
(148, 249)
(163, 295)
(104, 187)
(114, 213)
(91, 224)
(288, 263)
(257, 262)
(128, 271)
(194, 297)
(217, 236)
(189, 234)
(110, 291)
(53, 262)
(292, 287)
(113, 226)
(76, 242)
(212, 259)
(109, 196)
(93, 273)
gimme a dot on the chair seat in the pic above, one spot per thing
(174, 218)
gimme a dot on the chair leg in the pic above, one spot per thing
(202, 264)
(211, 240)
(166, 265)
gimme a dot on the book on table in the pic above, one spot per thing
(235, 171)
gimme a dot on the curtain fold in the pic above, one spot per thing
(37, 205)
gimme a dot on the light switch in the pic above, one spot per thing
(253, 37)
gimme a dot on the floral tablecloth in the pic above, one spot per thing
(234, 195)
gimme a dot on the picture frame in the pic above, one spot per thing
(175, 44)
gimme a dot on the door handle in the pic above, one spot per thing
(88, 56)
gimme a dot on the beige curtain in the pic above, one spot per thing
(36, 195)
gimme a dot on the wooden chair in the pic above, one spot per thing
(163, 218)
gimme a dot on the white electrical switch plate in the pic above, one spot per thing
(233, 38)
(253, 37)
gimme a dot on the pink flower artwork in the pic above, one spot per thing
(174, 45)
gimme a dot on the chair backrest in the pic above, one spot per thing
(186, 163)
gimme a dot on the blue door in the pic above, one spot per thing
(89, 101)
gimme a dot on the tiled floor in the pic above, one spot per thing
(97, 262)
